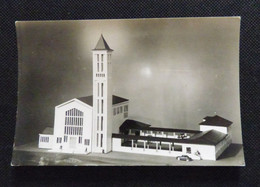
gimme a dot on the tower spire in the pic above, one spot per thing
(102, 44)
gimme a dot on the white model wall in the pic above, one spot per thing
(221, 146)
(59, 125)
(207, 152)
(45, 145)
(217, 128)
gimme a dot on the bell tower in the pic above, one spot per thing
(102, 97)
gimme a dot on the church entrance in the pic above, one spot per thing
(73, 142)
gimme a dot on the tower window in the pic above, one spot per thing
(102, 106)
(102, 56)
(102, 89)
(98, 89)
(101, 140)
(101, 128)
(97, 67)
(97, 57)
(102, 68)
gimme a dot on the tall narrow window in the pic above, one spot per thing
(98, 106)
(97, 67)
(102, 106)
(102, 67)
(97, 57)
(101, 141)
(97, 140)
(102, 56)
(101, 128)
(98, 89)
(97, 122)
(102, 89)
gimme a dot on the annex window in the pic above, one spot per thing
(126, 108)
(117, 110)
(177, 148)
(188, 150)
(114, 111)
(125, 114)
(121, 109)
(97, 122)
(98, 106)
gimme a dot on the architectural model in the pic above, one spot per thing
(100, 124)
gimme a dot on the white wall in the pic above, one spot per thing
(221, 146)
(46, 145)
(207, 152)
(59, 125)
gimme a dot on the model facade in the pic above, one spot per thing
(100, 124)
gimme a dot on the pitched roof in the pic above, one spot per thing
(216, 121)
(116, 99)
(211, 137)
(102, 44)
(132, 124)
(47, 130)
(89, 100)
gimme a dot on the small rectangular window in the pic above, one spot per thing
(121, 109)
(126, 108)
(118, 110)
(114, 111)
(125, 114)
(188, 150)
(80, 139)
(87, 141)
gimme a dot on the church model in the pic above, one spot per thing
(100, 124)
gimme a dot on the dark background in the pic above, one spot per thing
(11, 11)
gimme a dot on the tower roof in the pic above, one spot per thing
(102, 44)
(216, 121)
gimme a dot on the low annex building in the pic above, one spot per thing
(99, 123)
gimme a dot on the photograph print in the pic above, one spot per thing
(129, 92)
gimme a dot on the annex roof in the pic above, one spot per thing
(216, 121)
(102, 44)
(47, 130)
(211, 137)
(132, 124)
(136, 125)
(89, 100)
